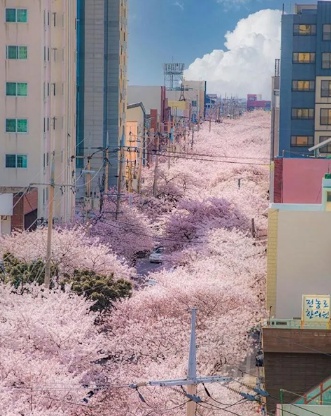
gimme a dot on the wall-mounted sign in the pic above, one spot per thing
(315, 308)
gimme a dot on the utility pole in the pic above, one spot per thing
(192, 141)
(107, 165)
(192, 367)
(210, 123)
(119, 183)
(156, 164)
(51, 187)
(192, 380)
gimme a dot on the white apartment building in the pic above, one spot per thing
(38, 99)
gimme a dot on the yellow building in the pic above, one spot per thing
(135, 145)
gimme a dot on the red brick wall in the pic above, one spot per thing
(278, 181)
(22, 206)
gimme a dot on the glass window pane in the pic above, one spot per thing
(12, 52)
(10, 125)
(10, 15)
(22, 15)
(22, 52)
(10, 161)
(22, 89)
(11, 88)
(22, 161)
(22, 125)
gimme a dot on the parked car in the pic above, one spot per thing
(156, 255)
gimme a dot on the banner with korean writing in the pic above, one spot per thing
(315, 308)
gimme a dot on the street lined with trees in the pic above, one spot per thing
(208, 210)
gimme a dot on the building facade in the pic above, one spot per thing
(305, 79)
(101, 84)
(37, 99)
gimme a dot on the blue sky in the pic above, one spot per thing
(183, 30)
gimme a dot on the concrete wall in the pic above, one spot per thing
(49, 107)
(150, 96)
(103, 68)
(299, 260)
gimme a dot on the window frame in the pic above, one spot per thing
(327, 147)
(328, 117)
(18, 51)
(324, 54)
(326, 34)
(17, 89)
(294, 140)
(17, 121)
(328, 89)
(296, 116)
(311, 85)
(311, 32)
(312, 57)
(18, 13)
(16, 160)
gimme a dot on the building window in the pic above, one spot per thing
(327, 147)
(16, 125)
(327, 32)
(16, 161)
(303, 57)
(302, 141)
(303, 85)
(304, 30)
(19, 89)
(16, 15)
(328, 197)
(325, 116)
(326, 60)
(303, 113)
(326, 89)
(16, 52)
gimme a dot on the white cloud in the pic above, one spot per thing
(248, 63)
(180, 5)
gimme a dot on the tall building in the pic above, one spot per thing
(37, 99)
(305, 79)
(101, 80)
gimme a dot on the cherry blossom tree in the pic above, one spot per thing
(127, 235)
(50, 348)
(72, 249)
(221, 272)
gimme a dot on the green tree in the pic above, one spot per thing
(103, 290)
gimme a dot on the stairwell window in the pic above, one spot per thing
(303, 113)
(16, 52)
(17, 89)
(327, 32)
(16, 125)
(325, 116)
(303, 57)
(326, 60)
(327, 147)
(16, 15)
(326, 88)
(304, 30)
(16, 161)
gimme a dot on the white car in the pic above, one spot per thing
(156, 255)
